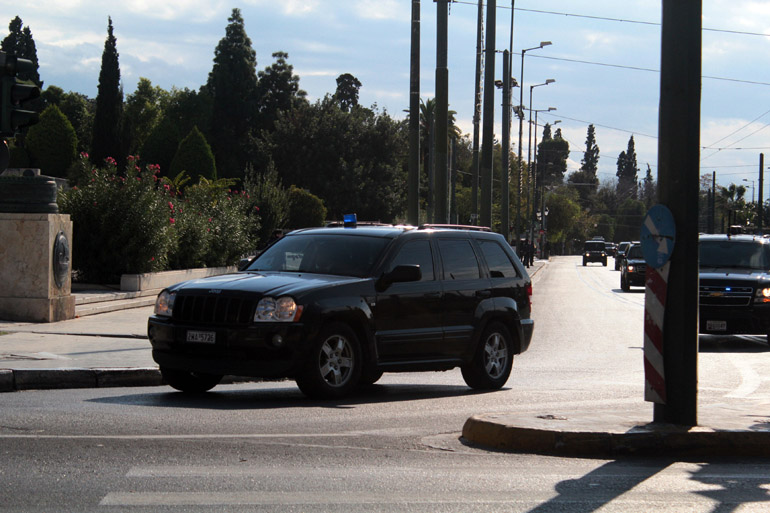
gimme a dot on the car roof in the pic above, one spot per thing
(392, 231)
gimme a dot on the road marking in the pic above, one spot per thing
(750, 379)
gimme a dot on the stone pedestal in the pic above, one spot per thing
(35, 269)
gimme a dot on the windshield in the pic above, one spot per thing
(342, 255)
(594, 246)
(726, 253)
(635, 253)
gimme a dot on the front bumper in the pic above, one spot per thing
(747, 320)
(251, 350)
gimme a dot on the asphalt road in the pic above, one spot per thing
(394, 447)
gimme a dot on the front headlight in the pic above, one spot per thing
(283, 309)
(164, 305)
(763, 295)
(630, 268)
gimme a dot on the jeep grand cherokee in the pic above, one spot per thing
(334, 308)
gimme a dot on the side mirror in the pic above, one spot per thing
(400, 274)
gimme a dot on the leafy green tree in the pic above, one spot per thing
(78, 109)
(271, 199)
(194, 156)
(305, 209)
(629, 219)
(628, 171)
(353, 161)
(277, 90)
(52, 143)
(141, 114)
(108, 118)
(552, 154)
(232, 84)
(347, 91)
(563, 214)
(161, 145)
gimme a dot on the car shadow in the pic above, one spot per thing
(634, 290)
(286, 395)
(733, 344)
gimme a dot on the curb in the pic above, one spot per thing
(652, 439)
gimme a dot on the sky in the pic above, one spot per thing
(604, 59)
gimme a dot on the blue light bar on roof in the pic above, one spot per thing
(349, 220)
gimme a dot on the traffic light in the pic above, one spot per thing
(13, 94)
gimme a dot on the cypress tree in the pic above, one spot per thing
(628, 171)
(232, 85)
(106, 140)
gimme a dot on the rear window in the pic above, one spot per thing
(736, 254)
(459, 259)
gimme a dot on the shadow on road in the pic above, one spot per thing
(733, 344)
(286, 395)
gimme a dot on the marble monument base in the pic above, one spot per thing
(35, 277)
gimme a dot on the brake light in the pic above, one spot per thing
(529, 295)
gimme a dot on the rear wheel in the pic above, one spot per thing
(491, 366)
(334, 366)
(189, 382)
(624, 283)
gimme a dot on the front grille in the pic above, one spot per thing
(213, 309)
(720, 295)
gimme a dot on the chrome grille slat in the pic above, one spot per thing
(213, 309)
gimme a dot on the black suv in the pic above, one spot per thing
(595, 251)
(334, 308)
(734, 284)
(632, 268)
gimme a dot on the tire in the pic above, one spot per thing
(333, 368)
(624, 284)
(584, 262)
(492, 364)
(190, 382)
(369, 377)
(604, 262)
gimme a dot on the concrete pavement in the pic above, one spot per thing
(111, 349)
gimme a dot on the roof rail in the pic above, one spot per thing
(454, 227)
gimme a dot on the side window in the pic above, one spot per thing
(416, 252)
(459, 259)
(500, 266)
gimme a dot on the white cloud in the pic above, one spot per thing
(382, 9)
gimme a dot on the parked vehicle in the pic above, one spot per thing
(334, 308)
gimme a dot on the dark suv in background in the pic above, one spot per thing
(734, 284)
(334, 308)
(633, 268)
(595, 251)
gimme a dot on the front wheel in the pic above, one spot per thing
(190, 382)
(624, 284)
(334, 366)
(491, 366)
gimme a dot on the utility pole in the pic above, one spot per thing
(414, 119)
(678, 180)
(477, 113)
(487, 155)
(505, 208)
(441, 214)
(760, 210)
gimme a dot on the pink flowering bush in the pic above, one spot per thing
(120, 221)
(135, 222)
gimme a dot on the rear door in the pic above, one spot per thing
(464, 287)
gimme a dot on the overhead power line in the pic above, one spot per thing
(616, 20)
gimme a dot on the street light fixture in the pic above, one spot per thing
(521, 121)
(532, 176)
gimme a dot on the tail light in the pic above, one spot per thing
(529, 294)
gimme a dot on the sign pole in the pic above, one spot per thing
(678, 184)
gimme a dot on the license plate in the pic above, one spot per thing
(202, 337)
(716, 325)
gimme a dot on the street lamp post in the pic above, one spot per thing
(752, 188)
(521, 125)
(532, 176)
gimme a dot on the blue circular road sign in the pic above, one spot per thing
(658, 236)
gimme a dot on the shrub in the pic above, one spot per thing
(305, 209)
(194, 156)
(52, 143)
(272, 200)
(120, 223)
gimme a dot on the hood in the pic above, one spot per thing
(733, 274)
(264, 283)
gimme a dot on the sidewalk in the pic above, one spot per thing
(111, 350)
